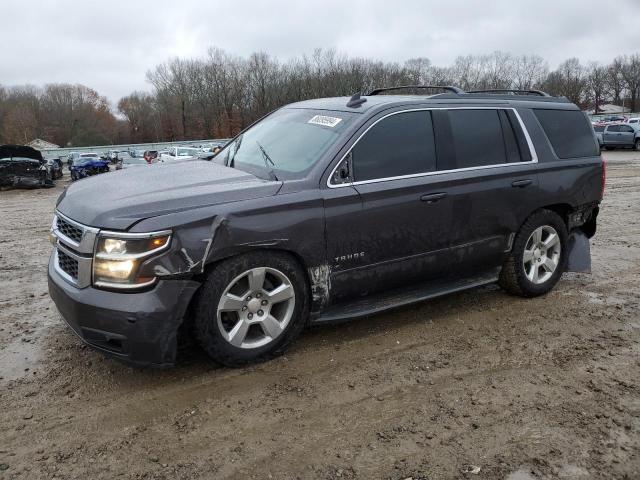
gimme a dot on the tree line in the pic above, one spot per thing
(221, 93)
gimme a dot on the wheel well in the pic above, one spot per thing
(200, 277)
(185, 330)
(562, 209)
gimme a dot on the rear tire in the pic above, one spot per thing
(636, 146)
(537, 258)
(238, 318)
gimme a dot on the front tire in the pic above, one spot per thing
(538, 256)
(251, 307)
(636, 146)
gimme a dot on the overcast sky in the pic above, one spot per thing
(110, 45)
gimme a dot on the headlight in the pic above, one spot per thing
(118, 258)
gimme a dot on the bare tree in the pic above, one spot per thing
(529, 72)
(597, 86)
(630, 74)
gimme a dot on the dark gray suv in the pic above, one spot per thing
(325, 210)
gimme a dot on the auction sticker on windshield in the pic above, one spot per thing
(325, 121)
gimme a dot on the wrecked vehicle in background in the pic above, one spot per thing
(23, 167)
(86, 165)
(54, 167)
(325, 210)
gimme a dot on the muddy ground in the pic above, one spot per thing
(474, 385)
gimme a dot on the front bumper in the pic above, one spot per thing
(139, 328)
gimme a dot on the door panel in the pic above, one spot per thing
(626, 135)
(487, 208)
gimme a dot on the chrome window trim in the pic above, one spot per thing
(532, 150)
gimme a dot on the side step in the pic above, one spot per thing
(381, 302)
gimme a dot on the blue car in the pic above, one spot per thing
(88, 164)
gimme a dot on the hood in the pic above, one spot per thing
(119, 199)
(23, 151)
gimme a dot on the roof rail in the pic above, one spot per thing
(514, 92)
(402, 87)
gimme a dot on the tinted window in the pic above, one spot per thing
(569, 132)
(599, 128)
(401, 144)
(477, 138)
(613, 128)
(626, 129)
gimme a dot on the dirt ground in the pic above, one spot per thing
(473, 385)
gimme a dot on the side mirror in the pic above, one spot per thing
(343, 172)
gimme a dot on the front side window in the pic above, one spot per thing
(287, 143)
(626, 129)
(401, 144)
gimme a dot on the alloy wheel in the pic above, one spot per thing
(541, 254)
(256, 307)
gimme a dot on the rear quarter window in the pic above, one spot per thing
(569, 132)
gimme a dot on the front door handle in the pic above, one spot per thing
(433, 197)
(522, 183)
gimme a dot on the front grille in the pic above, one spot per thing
(68, 265)
(69, 230)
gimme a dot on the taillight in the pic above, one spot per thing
(604, 177)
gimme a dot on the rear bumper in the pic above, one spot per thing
(137, 328)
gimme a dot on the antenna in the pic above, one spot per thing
(356, 100)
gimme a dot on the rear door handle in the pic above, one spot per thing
(522, 183)
(433, 197)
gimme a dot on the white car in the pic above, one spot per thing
(635, 120)
(179, 153)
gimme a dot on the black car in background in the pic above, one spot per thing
(22, 166)
(325, 210)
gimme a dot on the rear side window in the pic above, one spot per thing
(599, 128)
(613, 128)
(477, 138)
(569, 132)
(400, 144)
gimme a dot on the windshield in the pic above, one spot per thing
(289, 141)
(89, 155)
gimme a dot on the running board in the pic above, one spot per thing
(381, 302)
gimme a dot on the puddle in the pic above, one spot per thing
(17, 357)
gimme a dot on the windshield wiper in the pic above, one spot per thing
(267, 161)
